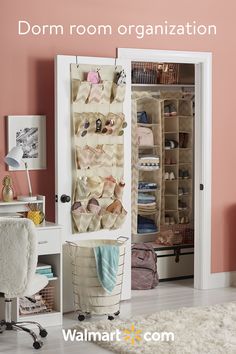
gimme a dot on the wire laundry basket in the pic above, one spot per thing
(89, 295)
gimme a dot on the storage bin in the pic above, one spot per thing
(89, 295)
(47, 294)
(145, 73)
(169, 74)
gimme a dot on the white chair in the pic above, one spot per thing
(18, 261)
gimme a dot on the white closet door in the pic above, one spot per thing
(63, 132)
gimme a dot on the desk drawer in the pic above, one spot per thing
(49, 241)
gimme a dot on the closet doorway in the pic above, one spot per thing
(202, 156)
(171, 107)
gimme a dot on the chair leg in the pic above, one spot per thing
(42, 331)
(37, 343)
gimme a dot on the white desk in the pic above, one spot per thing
(49, 252)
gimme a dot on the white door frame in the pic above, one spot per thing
(203, 149)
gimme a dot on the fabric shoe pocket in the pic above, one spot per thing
(82, 220)
(95, 186)
(108, 220)
(85, 157)
(80, 91)
(118, 92)
(109, 187)
(95, 94)
(120, 219)
(95, 223)
(106, 92)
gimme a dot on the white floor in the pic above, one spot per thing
(170, 295)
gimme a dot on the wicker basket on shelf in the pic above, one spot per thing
(176, 234)
(169, 74)
(48, 297)
(145, 73)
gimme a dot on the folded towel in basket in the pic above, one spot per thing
(107, 262)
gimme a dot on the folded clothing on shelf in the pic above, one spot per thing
(146, 225)
(145, 198)
(147, 209)
(147, 185)
(149, 161)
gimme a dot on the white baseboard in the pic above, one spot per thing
(221, 280)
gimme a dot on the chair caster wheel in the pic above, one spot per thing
(37, 344)
(43, 333)
(111, 318)
(117, 313)
(81, 317)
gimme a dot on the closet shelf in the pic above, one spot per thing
(182, 116)
(172, 132)
(171, 164)
(146, 214)
(148, 146)
(148, 124)
(148, 168)
(171, 195)
(147, 233)
(185, 163)
(184, 149)
(162, 85)
(148, 190)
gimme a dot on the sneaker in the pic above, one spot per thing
(182, 220)
(182, 205)
(167, 161)
(181, 173)
(185, 191)
(186, 220)
(185, 174)
(185, 145)
(167, 111)
(172, 176)
(167, 176)
(181, 191)
(181, 140)
(167, 145)
(172, 110)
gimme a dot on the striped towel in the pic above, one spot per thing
(107, 262)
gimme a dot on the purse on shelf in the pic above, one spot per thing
(145, 136)
(142, 117)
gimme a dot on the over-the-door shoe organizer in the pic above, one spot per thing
(88, 123)
(100, 156)
(104, 92)
(98, 187)
(98, 123)
(101, 215)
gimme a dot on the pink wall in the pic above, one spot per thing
(26, 82)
